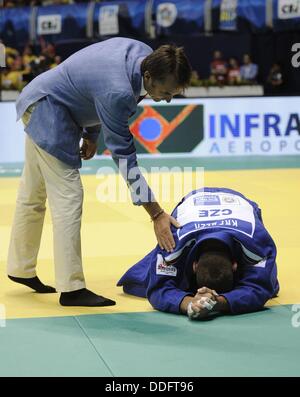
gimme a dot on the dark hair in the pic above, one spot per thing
(168, 60)
(214, 266)
(214, 271)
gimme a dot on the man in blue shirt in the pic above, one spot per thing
(224, 260)
(248, 70)
(98, 86)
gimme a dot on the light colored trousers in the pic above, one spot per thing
(45, 176)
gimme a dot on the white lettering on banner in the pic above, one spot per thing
(49, 24)
(270, 128)
(218, 209)
(109, 20)
(288, 9)
(246, 125)
(166, 14)
(259, 147)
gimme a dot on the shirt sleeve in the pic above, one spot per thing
(163, 291)
(165, 296)
(92, 133)
(253, 71)
(257, 285)
(114, 115)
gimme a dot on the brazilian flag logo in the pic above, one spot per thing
(165, 129)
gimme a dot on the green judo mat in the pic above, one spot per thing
(153, 344)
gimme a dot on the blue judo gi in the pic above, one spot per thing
(210, 213)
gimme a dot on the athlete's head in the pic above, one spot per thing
(166, 72)
(214, 266)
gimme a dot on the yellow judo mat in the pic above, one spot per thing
(114, 237)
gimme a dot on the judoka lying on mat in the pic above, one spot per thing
(223, 262)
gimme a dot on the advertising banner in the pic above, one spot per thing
(288, 9)
(198, 127)
(218, 126)
(228, 15)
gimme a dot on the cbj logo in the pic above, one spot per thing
(49, 24)
(290, 8)
(296, 57)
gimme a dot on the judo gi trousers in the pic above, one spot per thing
(44, 177)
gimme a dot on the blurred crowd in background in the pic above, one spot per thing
(232, 72)
(26, 62)
(22, 67)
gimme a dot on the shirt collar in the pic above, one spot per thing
(143, 91)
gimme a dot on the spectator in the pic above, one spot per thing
(195, 80)
(48, 49)
(28, 56)
(11, 4)
(12, 78)
(249, 70)
(10, 54)
(39, 65)
(218, 69)
(57, 61)
(274, 84)
(56, 2)
(234, 75)
(21, 69)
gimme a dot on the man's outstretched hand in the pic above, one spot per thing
(162, 228)
(162, 225)
(88, 149)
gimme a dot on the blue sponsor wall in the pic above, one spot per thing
(143, 18)
(73, 21)
(15, 26)
(130, 18)
(267, 33)
(286, 15)
(180, 17)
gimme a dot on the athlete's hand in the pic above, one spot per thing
(206, 292)
(162, 228)
(88, 149)
(199, 308)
